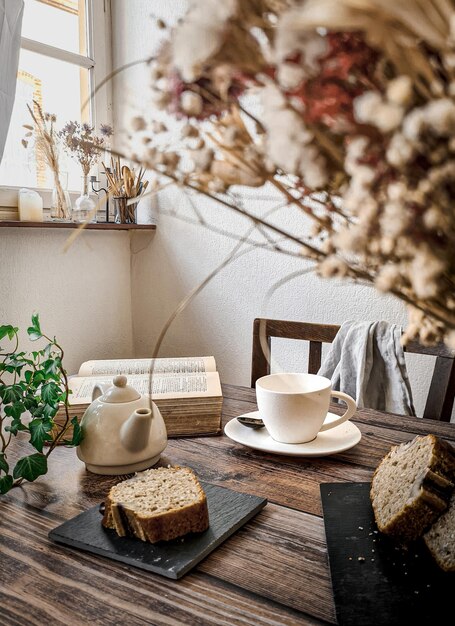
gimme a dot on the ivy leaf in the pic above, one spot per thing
(37, 410)
(52, 367)
(11, 393)
(6, 482)
(50, 392)
(3, 464)
(39, 433)
(12, 367)
(34, 331)
(50, 410)
(77, 432)
(8, 330)
(16, 361)
(47, 351)
(38, 377)
(15, 426)
(30, 467)
(15, 410)
(30, 402)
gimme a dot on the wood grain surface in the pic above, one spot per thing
(94, 226)
(273, 571)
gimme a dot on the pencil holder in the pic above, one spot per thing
(124, 213)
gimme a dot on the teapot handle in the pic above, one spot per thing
(98, 390)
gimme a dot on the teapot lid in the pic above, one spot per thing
(120, 391)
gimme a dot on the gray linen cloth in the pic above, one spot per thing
(10, 40)
(366, 361)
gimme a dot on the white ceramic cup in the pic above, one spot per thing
(293, 407)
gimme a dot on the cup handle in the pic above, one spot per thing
(352, 408)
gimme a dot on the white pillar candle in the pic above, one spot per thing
(30, 206)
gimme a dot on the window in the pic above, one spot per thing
(64, 55)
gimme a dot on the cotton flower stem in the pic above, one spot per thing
(355, 273)
(323, 223)
(315, 253)
(328, 146)
(433, 310)
(214, 98)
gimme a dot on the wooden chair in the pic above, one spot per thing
(441, 395)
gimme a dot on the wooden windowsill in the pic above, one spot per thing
(97, 226)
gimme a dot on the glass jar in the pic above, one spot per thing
(84, 206)
(61, 201)
(124, 213)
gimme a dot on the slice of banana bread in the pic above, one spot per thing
(412, 486)
(157, 505)
(440, 539)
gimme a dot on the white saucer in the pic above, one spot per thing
(337, 439)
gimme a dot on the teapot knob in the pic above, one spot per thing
(120, 381)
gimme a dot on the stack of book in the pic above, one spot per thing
(186, 390)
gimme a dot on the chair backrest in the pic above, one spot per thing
(441, 395)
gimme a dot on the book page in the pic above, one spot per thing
(165, 386)
(187, 365)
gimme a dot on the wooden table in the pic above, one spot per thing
(272, 571)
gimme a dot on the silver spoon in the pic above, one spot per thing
(251, 422)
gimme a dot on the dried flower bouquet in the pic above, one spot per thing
(47, 146)
(82, 144)
(355, 127)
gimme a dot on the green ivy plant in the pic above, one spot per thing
(32, 388)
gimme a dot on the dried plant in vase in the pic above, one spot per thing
(351, 119)
(47, 147)
(83, 145)
(125, 186)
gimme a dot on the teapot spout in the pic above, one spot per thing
(134, 434)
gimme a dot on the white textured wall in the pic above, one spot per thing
(83, 296)
(180, 256)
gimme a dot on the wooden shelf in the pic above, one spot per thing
(98, 226)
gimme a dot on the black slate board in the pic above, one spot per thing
(228, 511)
(392, 586)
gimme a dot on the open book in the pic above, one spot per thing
(186, 390)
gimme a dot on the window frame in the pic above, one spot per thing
(98, 62)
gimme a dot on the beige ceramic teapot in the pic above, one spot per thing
(122, 434)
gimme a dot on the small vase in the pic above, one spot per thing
(84, 206)
(61, 201)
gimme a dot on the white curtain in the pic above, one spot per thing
(11, 12)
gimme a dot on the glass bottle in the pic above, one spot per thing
(61, 201)
(84, 206)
